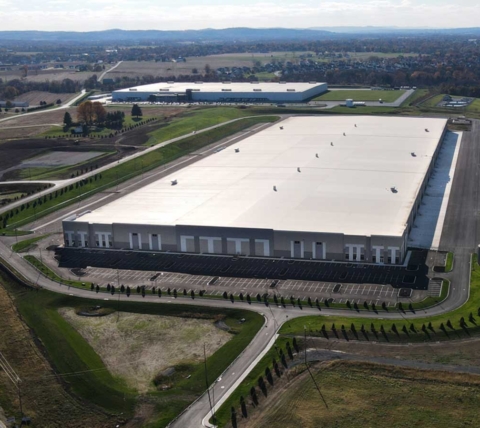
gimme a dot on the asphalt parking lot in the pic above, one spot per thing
(413, 276)
(359, 293)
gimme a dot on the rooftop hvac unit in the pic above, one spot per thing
(174, 182)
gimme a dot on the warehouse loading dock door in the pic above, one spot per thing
(297, 250)
(135, 241)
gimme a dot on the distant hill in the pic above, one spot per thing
(475, 31)
(227, 34)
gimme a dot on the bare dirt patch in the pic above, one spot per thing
(137, 347)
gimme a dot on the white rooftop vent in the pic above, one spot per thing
(355, 125)
(316, 155)
(344, 134)
(414, 154)
(331, 144)
(281, 127)
(298, 169)
(170, 81)
(394, 189)
(237, 150)
(426, 130)
(274, 188)
(174, 182)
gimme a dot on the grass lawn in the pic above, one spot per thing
(432, 102)
(451, 322)
(474, 107)
(370, 395)
(25, 245)
(418, 94)
(85, 373)
(60, 199)
(360, 95)
(449, 263)
(196, 119)
(265, 76)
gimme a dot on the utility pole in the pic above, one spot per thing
(212, 408)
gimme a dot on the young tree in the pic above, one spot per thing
(136, 111)
(67, 119)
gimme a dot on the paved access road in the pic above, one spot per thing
(460, 235)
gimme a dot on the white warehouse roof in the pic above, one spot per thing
(346, 189)
(181, 87)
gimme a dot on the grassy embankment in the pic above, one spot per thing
(88, 187)
(27, 244)
(360, 95)
(449, 262)
(453, 326)
(85, 373)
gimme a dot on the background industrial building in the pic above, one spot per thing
(221, 92)
(329, 188)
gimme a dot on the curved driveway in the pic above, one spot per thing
(460, 234)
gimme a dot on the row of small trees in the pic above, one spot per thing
(7, 217)
(278, 367)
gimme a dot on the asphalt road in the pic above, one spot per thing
(460, 235)
(63, 106)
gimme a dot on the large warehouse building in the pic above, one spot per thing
(331, 188)
(221, 92)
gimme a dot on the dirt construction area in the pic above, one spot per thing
(138, 347)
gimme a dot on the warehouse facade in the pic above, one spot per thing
(245, 92)
(330, 188)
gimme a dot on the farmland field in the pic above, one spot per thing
(361, 394)
(360, 95)
(34, 97)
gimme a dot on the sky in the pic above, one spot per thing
(94, 15)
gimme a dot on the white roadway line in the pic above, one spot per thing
(240, 379)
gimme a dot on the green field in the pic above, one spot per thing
(196, 119)
(351, 327)
(59, 199)
(360, 95)
(25, 245)
(86, 375)
(371, 395)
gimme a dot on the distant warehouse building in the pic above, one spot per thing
(281, 92)
(330, 188)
